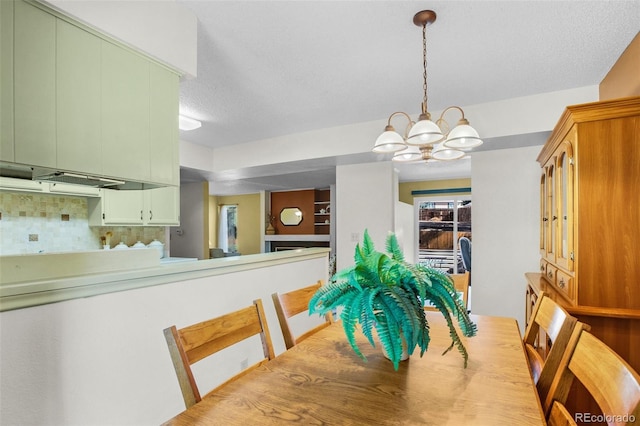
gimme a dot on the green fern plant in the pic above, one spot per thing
(385, 292)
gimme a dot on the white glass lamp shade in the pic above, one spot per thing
(424, 132)
(410, 153)
(443, 153)
(463, 136)
(389, 141)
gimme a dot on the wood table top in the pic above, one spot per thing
(321, 381)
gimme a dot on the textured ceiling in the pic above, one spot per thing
(271, 68)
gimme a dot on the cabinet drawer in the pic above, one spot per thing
(566, 284)
(550, 273)
(543, 266)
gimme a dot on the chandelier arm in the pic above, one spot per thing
(452, 107)
(446, 129)
(411, 122)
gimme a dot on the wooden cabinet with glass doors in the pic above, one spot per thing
(590, 225)
(556, 218)
(589, 205)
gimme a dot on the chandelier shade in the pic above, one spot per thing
(389, 141)
(427, 140)
(424, 132)
(463, 136)
(442, 153)
(409, 153)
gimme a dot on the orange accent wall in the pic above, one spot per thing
(303, 200)
(624, 77)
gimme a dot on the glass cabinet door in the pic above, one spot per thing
(552, 215)
(544, 217)
(565, 182)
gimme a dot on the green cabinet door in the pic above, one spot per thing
(125, 113)
(6, 81)
(164, 125)
(78, 72)
(122, 207)
(162, 206)
(34, 86)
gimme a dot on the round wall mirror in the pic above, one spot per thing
(291, 216)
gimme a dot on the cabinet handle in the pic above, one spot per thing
(550, 274)
(542, 267)
(150, 215)
(561, 283)
(141, 214)
(544, 219)
(555, 218)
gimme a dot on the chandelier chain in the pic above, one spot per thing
(424, 66)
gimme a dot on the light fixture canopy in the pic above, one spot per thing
(425, 139)
(187, 123)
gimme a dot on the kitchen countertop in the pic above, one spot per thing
(40, 291)
(170, 260)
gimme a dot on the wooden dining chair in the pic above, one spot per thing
(461, 283)
(611, 381)
(193, 343)
(293, 303)
(557, 325)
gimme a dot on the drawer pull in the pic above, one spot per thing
(561, 283)
(550, 274)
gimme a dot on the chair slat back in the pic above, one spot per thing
(558, 325)
(461, 283)
(208, 337)
(611, 381)
(198, 341)
(560, 416)
(293, 303)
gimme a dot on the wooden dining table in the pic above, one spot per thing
(321, 381)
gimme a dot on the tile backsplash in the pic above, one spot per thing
(33, 223)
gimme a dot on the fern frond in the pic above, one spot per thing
(393, 248)
(367, 244)
(348, 317)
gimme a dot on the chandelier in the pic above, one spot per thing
(426, 140)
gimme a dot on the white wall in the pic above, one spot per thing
(104, 361)
(191, 238)
(506, 213)
(406, 230)
(366, 195)
(516, 116)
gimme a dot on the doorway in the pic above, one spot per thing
(228, 228)
(441, 222)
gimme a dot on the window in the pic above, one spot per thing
(442, 221)
(228, 228)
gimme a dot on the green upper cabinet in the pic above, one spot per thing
(34, 86)
(76, 100)
(79, 120)
(125, 114)
(164, 125)
(6, 81)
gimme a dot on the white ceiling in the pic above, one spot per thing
(273, 68)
